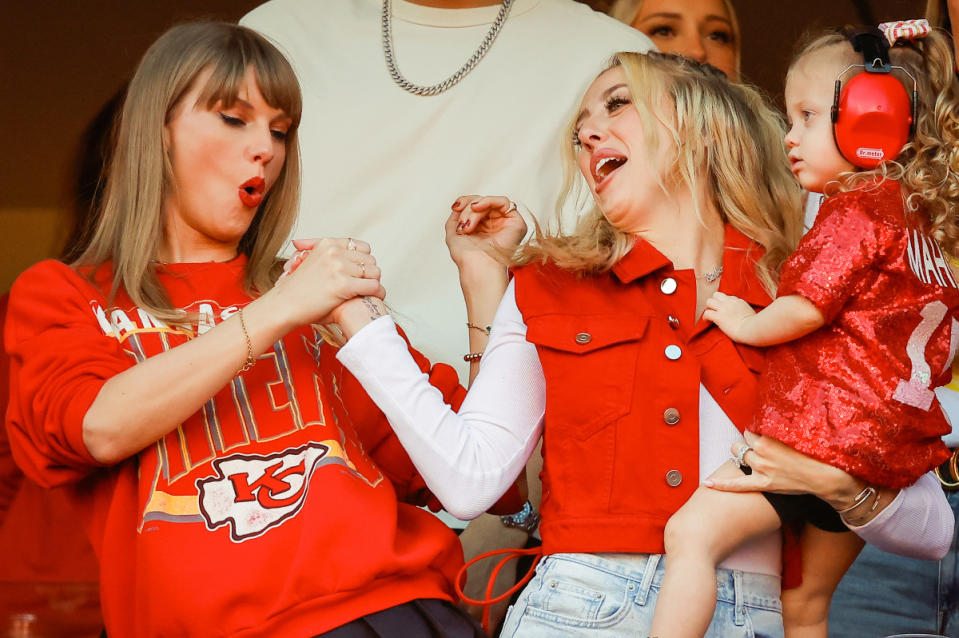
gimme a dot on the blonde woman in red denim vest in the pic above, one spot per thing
(598, 345)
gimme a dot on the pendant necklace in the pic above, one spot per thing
(713, 275)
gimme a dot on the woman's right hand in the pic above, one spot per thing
(332, 271)
(354, 314)
(778, 468)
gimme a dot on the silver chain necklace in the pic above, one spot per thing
(451, 81)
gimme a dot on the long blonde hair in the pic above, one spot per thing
(131, 223)
(728, 144)
(626, 11)
(928, 166)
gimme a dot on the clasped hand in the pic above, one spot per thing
(323, 274)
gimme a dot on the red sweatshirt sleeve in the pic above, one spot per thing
(60, 357)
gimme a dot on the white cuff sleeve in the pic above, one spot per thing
(918, 523)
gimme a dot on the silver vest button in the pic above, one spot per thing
(668, 286)
(671, 416)
(673, 352)
(583, 338)
(674, 478)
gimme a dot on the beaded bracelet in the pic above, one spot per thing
(473, 356)
(250, 359)
(485, 330)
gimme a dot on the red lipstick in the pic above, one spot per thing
(251, 192)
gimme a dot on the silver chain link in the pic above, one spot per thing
(451, 81)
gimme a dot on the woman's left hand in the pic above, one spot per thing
(479, 226)
(778, 468)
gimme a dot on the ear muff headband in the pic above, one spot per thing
(873, 117)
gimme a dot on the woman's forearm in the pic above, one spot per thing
(140, 405)
(915, 521)
(468, 459)
(482, 290)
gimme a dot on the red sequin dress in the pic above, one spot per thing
(858, 392)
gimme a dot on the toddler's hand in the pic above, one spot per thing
(731, 314)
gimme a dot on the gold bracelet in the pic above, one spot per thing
(862, 519)
(952, 465)
(250, 359)
(861, 498)
(473, 356)
(485, 330)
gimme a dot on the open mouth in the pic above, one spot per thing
(251, 192)
(605, 163)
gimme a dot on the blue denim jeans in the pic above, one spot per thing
(613, 595)
(885, 594)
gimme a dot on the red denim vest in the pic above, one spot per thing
(623, 358)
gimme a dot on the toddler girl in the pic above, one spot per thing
(865, 315)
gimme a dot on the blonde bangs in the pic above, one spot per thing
(276, 80)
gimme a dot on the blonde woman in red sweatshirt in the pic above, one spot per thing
(234, 480)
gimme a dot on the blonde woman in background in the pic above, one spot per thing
(704, 30)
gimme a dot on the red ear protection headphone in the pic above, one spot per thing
(872, 115)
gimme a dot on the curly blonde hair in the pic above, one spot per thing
(728, 144)
(928, 165)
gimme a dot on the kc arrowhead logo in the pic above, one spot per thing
(252, 492)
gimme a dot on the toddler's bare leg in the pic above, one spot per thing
(825, 558)
(698, 537)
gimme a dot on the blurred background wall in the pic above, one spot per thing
(61, 61)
